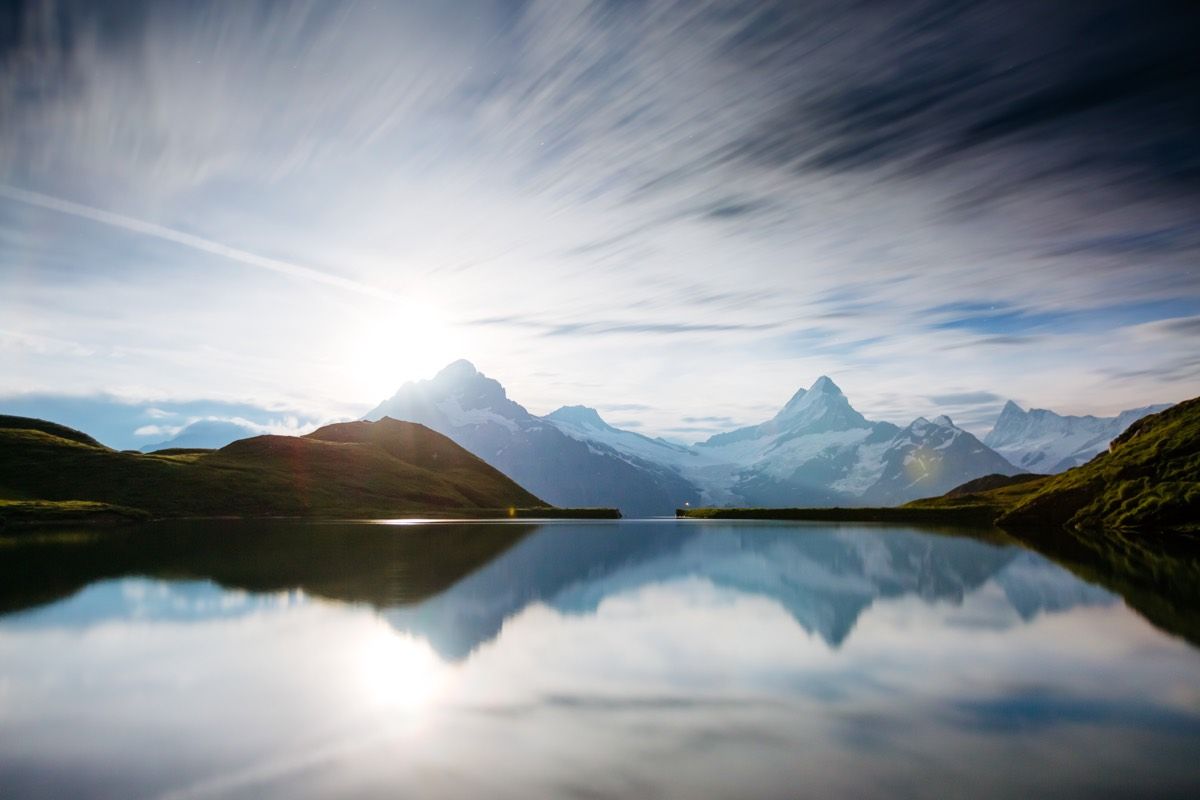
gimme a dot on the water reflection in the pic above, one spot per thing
(624, 660)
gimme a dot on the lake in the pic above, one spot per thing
(632, 659)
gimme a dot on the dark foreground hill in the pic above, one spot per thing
(1147, 482)
(355, 469)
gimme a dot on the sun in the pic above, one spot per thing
(404, 342)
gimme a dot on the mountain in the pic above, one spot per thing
(476, 412)
(1146, 484)
(818, 450)
(1148, 480)
(1042, 441)
(586, 425)
(812, 452)
(353, 469)
(930, 458)
(207, 434)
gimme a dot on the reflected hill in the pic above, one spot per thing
(381, 565)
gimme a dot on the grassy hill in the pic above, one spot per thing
(354, 469)
(1147, 482)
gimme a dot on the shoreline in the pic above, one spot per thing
(18, 515)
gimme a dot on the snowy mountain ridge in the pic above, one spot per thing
(1039, 440)
(816, 450)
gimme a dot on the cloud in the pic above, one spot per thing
(1189, 326)
(1172, 370)
(188, 240)
(626, 407)
(602, 327)
(965, 398)
(1180, 238)
(938, 197)
(1005, 320)
(733, 208)
(711, 420)
(158, 430)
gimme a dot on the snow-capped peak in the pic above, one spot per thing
(456, 371)
(1044, 441)
(824, 385)
(922, 427)
(822, 408)
(580, 416)
(790, 406)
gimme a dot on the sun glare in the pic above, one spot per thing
(411, 342)
(399, 671)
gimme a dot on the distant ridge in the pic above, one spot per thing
(1043, 441)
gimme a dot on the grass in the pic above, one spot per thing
(58, 512)
(383, 469)
(1148, 481)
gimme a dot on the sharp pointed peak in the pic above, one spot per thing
(824, 385)
(457, 368)
(1011, 407)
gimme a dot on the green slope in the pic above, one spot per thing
(356, 469)
(1147, 483)
(1148, 480)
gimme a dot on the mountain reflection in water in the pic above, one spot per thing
(632, 659)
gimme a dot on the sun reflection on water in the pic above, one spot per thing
(398, 671)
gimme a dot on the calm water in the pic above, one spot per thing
(635, 659)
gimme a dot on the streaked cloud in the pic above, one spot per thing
(697, 207)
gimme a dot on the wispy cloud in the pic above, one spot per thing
(601, 327)
(189, 240)
(965, 398)
(925, 199)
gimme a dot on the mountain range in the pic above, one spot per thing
(1042, 441)
(817, 450)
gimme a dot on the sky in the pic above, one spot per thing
(675, 212)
